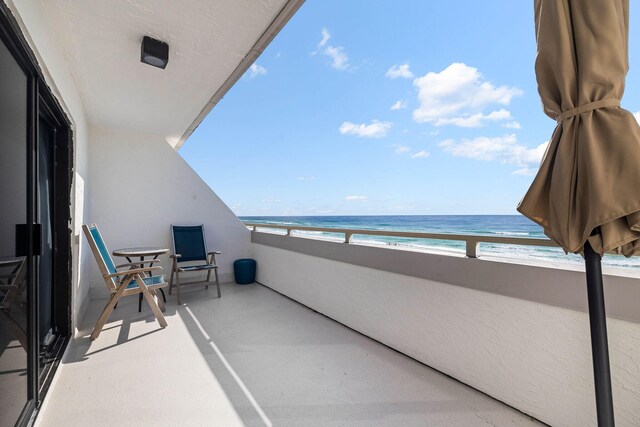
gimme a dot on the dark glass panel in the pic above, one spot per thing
(13, 211)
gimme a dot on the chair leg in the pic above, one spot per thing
(152, 303)
(164, 298)
(215, 271)
(157, 298)
(107, 311)
(170, 281)
(155, 309)
(178, 286)
(206, 286)
(139, 303)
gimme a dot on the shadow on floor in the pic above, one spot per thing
(282, 363)
(271, 361)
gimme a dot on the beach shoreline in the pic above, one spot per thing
(480, 225)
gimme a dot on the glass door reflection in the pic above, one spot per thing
(13, 211)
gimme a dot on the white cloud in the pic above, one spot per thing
(271, 200)
(356, 198)
(325, 37)
(503, 149)
(421, 154)
(257, 70)
(525, 171)
(400, 149)
(400, 104)
(511, 125)
(375, 129)
(637, 116)
(401, 70)
(458, 96)
(339, 59)
(475, 120)
(306, 178)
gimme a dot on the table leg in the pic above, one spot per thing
(164, 298)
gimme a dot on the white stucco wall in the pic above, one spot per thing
(44, 42)
(140, 186)
(533, 356)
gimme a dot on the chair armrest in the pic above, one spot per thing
(131, 264)
(132, 272)
(176, 256)
(212, 256)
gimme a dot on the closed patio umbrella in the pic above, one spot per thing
(586, 194)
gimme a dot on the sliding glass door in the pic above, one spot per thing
(35, 240)
(14, 343)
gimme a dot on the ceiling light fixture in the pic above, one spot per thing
(154, 52)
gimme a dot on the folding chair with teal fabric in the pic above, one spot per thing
(190, 255)
(125, 282)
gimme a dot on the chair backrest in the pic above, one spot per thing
(189, 242)
(100, 252)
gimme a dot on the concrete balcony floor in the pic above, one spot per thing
(255, 358)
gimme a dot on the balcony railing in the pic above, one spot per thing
(472, 241)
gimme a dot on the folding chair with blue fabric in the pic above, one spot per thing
(125, 282)
(190, 255)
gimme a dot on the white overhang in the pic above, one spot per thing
(211, 44)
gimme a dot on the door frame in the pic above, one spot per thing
(41, 101)
(62, 162)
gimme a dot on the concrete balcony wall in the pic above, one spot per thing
(139, 186)
(531, 355)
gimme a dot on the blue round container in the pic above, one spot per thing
(244, 271)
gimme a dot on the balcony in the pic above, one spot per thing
(353, 334)
(337, 333)
(253, 357)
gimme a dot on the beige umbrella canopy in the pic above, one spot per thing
(590, 176)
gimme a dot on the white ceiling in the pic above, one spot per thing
(208, 40)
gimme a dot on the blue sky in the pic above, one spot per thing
(386, 108)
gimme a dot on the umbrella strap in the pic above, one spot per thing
(588, 107)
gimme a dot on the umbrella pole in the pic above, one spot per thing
(599, 343)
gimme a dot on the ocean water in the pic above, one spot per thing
(483, 225)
